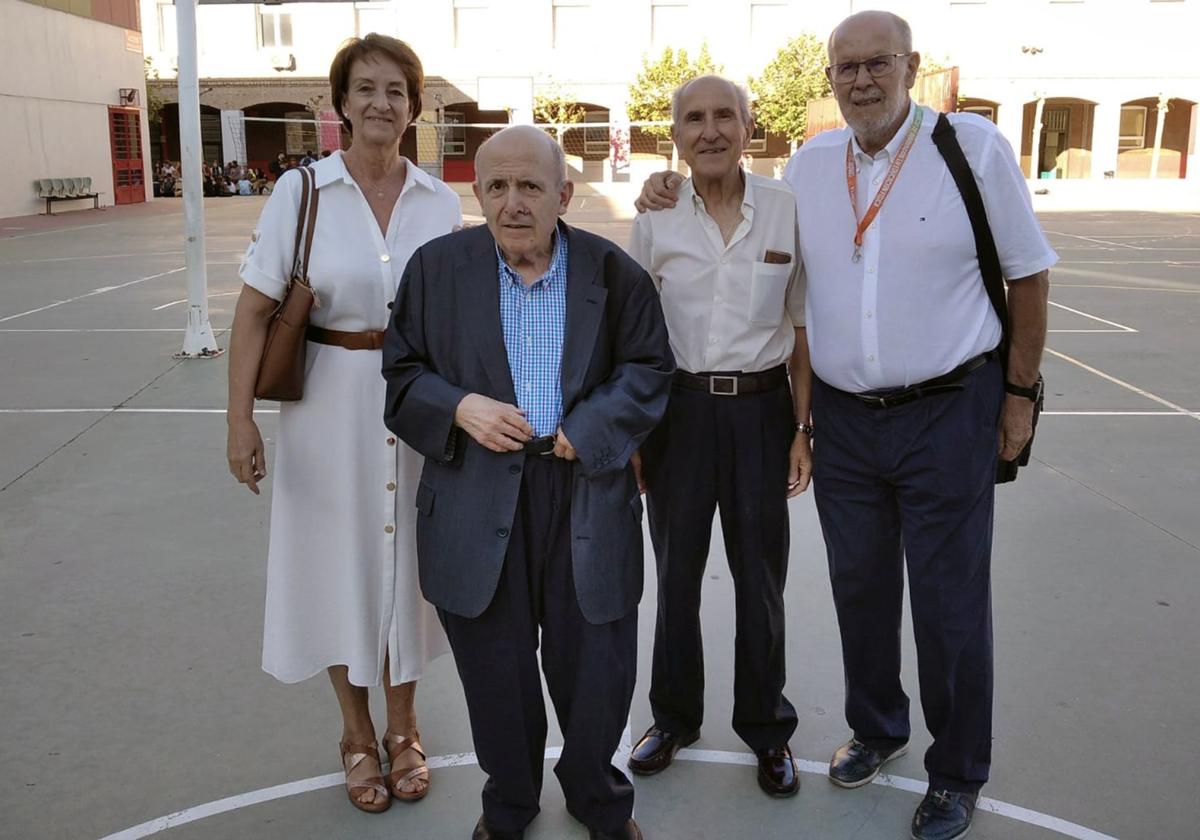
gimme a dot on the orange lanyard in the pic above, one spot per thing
(885, 188)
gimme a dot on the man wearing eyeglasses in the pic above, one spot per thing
(909, 404)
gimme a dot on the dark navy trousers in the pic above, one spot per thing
(590, 670)
(726, 454)
(913, 486)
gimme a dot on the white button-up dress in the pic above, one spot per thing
(342, 586)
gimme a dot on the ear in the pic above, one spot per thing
(749, 133)
(910, 73)
(564, 196)
(478, 193)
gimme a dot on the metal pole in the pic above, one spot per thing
(198, 341)
(1035, 151)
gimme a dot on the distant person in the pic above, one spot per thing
(278, 166)
(342, 589)
(326, 153)
(308, 159)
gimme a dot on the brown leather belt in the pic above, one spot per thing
(732, 384)
(365, 340)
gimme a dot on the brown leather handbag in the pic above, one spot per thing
(281, 370)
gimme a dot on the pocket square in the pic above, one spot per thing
(777, 257)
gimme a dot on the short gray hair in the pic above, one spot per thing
(560, 156)
(743, 97)
(902, 29)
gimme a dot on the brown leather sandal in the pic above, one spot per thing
(396, 747)
(361, 763)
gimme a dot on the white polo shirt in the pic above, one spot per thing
(914, 306)
(728, 307)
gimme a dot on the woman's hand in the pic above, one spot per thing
(244, 450)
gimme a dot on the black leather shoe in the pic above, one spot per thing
(777, 774)
(484, 831)
(655, 752)
(854, 764)
(629, 831)
(944, 815)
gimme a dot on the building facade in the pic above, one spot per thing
(72, 100)
(1081, 88)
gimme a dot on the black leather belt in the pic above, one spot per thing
(732, 384)
(543, 445)
(943, 384)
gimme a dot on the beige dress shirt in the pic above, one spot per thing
(728, 307)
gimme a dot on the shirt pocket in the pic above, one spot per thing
(768, 286)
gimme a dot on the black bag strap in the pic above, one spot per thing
(306, 224)
(946, 140)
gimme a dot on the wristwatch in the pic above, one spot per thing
(805, 427)
(1032, 394)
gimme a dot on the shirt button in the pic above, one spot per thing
(389, 529)
(385, 257)
(871, 270)
(391, 441)
(724, 260)
(514, 469)
(391, 485)
(501, 532)
(714, 340)
(868, 313)
(870, 358)
(717, 299)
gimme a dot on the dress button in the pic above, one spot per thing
(389, 529)
(390, 303)
(870, 358)
(391, 485)
(385, 257)
(391, 441)
(514, 469)
(501, 532)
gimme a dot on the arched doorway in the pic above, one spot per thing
(1064, 145)
(164, 134)
(1139, 137)
(985, 108)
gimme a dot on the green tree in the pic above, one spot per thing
(650, 93)
(794, 76)
(555, 105)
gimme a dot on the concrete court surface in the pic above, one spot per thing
(132, 574)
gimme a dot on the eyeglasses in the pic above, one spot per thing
(877, 66)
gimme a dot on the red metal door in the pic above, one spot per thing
(129, 174)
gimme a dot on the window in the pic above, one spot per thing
(168, 42)
(300, 132)
(470, 23)
(758, 141)
(595, 140)
(988, 112)
(1133, 127)
(670, 24)
(274, 28)
(572, 23)
(374, 17)
(770, 24)
(454, 136)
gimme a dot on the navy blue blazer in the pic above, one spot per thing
(445, 341)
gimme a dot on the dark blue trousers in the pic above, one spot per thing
(590, 670)
(729, 455)
(913, 486)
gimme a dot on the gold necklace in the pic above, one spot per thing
(377, 186)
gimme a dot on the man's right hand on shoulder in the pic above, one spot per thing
(495, 425)
(658, 192)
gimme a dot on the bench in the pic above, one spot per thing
(65, 189)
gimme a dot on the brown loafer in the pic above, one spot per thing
(777, 774)
(484, 831)
(656, 750)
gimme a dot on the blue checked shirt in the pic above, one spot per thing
(534, 321)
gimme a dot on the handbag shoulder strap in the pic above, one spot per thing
(946, 140)
(306, 223)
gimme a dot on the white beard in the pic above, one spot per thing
(870, 128)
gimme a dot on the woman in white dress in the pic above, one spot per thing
(342, 589)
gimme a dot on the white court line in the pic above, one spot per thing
(1126, 288)
(1139, 391)
(1119, 244)
(214, 295)
(1120, 327)
(1193, 414)
(96, 330)
(1091, 331)
(257, 797)
(92, 293)
(58, 230)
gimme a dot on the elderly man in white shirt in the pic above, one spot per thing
(735, 436)
(909, 402)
